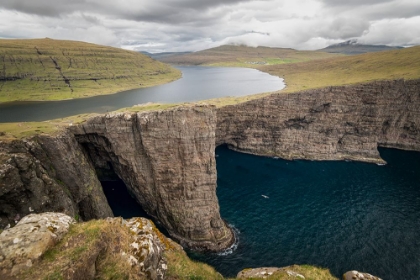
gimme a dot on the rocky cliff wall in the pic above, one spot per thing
(166, 159)
(334, 123)
(48, 173)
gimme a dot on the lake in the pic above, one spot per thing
(197, 83)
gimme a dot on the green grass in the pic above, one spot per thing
(108, 240)
(10, 131)
(180, 266)
(46, 69)
(386, 65)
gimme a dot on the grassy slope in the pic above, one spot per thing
(85, 238)
(395, 64)
(245, 56)
(46, 69)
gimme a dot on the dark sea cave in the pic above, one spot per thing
(122, 203)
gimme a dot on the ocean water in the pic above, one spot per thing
(334, 214)
(338, 215)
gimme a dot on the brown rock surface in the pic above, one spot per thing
(27, 185)
(166, 159)
(23, 245)
(334, 123)
(48, 173)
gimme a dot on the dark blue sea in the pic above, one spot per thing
(334, 214)
(338, 215)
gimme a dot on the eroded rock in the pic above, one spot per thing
(23, 245)
(332, 123)
(108, 248)
(356, 275)
(167, 161)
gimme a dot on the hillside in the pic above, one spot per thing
(243, 56)
(394, 64)
(352, 47)
(46, 69)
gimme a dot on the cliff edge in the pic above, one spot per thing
(166, 158)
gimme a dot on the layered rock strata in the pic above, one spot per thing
(48, 173)
(334, 123)
(167, 161)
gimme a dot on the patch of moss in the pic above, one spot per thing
(180, 266)
(56, 275)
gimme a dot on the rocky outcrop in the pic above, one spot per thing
(356, 275)
(48, 173)
(104, 249)
(166, 159)
(26, 185)
(24, 244)
(297, 272)
(334, 123)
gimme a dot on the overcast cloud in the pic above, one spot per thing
(191, 25)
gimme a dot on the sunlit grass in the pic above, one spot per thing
(387, 65)
(45, 69)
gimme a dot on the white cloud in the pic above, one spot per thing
(179, 25)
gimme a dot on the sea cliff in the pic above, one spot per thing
(166, 157)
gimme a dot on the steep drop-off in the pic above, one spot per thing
(334, 123)
(166, 158)
(167, 161)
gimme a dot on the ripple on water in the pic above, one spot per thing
(339, 215)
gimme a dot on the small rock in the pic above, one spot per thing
(25, 243)
(356, 275)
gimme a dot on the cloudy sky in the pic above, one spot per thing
(191, 25)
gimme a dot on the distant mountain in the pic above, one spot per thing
(351, 47)
(232, 55)
(158, 56)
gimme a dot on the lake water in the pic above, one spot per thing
(338, 215)
(197, 83)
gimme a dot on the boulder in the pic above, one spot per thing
(23, 245)
(356, 275)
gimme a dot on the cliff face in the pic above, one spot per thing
(167, 161)
(48, 173)
(336, 123)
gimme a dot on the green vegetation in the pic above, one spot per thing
(386, 65)
(10, 131)
(105, 241)
(308, 69)
(180, 266)
(46, 69)
(75, 248)
(242, 56)
(308, 271)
